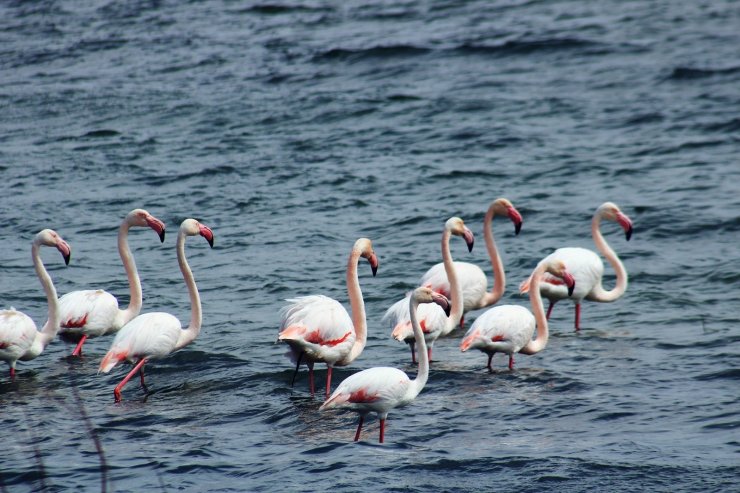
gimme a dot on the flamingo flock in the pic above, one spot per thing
(317, 328)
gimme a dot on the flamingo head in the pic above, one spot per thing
(365, 247)
(505, 208)
(610, 211)
(457, 227)
(49, 237)
(191, 227)
(142, 219)
(557, 268)
(427, 295)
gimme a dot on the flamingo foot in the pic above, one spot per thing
(78, 348)
(359, 428)
(382, 431)
(578, 316)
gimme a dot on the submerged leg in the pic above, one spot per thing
(462, 322)
(490, 358)
(382, 430)
(359, 427)
(511, 362)
(12, 372)
(297, 366)
(578, 316)
(119, 387)
(413, 352)
(429, 354)
(310, 378)
(78, 348)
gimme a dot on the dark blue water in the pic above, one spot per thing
(292, 128)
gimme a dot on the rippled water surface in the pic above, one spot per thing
(293, 128)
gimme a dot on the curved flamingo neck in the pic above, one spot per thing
(417, 384)
(196, 317)
(499, 278)
(49, 330)
(456, 310)
(357, 304)
(598, 293)
(538, 309)
(134, 283)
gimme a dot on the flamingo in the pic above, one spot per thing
(158, 334)
(434, 322)
(19, 338)
(509, 328)
(472, 278)
(318, 328)
(94, 312)
(381, 389)
(586, 266)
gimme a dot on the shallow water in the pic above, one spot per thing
(293, 128)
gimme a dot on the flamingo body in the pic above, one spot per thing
(432, 319)
(17, 333)
(501, 329)
(472, 279)
(584, 265)
(148, 336)
(317, 326)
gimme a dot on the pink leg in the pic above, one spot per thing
(578, 316)
(549, 310)
(117, 390)
(141, 376)
(462, 322)
(359, 428)
(490, 358)
(429, 354)
(328, 382)
(78, 348)
(382, 431)
(310, 379)
(12, 373)
(511, 362)
(413, 352)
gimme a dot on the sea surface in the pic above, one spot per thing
(292, 128)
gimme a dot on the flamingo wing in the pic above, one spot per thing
(375, 389)
(17, 333)
(151, 336)
(505, 328)
(472, 279)
(319, 326)
(91, 312)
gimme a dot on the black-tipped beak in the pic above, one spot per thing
(67, 258)
(469, 239)
(161, 236)
(628, 233)
(373, 264)
(65, 250)
(626, 224)
(516, 218)
(206, 233)
(157, 226)
(442, 301)
(571, 283)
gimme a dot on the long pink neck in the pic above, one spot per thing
(499, 278)
(538, 309)
(134, 283)
(598, 293)
(417, 384)
(456, 311)
(357, 304)
(49, 330)
(196, 317)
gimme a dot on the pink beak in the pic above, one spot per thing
(626, 224)
(516, 218)
(206, 233)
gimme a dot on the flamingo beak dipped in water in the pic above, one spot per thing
(381, 389)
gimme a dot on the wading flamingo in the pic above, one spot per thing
(586, 266)
(434, 322)
(94, 312)
(509, 328)
(471, 277)
(19, 339)
(158, 334)
(381, 389)
(318, 328)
